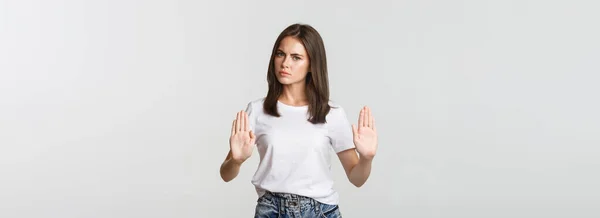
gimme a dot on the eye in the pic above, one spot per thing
(296, 58)
(279, 54)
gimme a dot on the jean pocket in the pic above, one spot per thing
(330, 211)
(265, 207)
(265, 200)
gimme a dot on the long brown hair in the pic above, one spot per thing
(317, 82)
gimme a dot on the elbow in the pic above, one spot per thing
(223, 176)
(224, 179)
(357, 184)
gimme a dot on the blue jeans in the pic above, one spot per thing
(283, 205)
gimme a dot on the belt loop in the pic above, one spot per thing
(281, 206)
(315, 205)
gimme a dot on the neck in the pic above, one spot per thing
(294, 94)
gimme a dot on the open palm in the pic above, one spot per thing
(365, 134)
(242, 139)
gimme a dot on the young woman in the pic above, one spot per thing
(295, 128)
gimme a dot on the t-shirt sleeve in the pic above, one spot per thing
(251, 116)
(340, 130)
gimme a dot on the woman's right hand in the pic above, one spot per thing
(242, 139)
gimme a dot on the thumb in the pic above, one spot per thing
(354, 131)
(252, 139)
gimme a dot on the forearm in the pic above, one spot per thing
(361, 171)
(229, 169)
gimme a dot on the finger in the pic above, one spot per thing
(243, 123)
(360, 115)
(370, 118)
(362, 118)
(233, 127)
(354, 131)
(252, 136)
(238, 122)
(246, 122)
(366, 116)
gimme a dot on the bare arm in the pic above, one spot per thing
(357, 169)
(229, 168)
(241, 145)
(358, 166)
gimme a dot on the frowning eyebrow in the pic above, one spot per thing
(293, 54)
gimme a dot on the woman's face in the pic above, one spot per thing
(291, 61)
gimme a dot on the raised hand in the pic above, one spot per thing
(365, 134)
(242, 139)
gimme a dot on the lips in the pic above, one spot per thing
(283, 73)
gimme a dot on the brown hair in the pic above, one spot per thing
(317, 82)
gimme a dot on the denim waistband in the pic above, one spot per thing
(291, 200)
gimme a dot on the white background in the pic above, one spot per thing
(123, 108)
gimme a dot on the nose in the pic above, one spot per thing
(285, 63)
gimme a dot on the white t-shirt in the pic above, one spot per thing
(295, 155)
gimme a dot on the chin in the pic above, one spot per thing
(285, 81)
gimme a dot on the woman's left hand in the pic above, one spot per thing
(365, 134)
